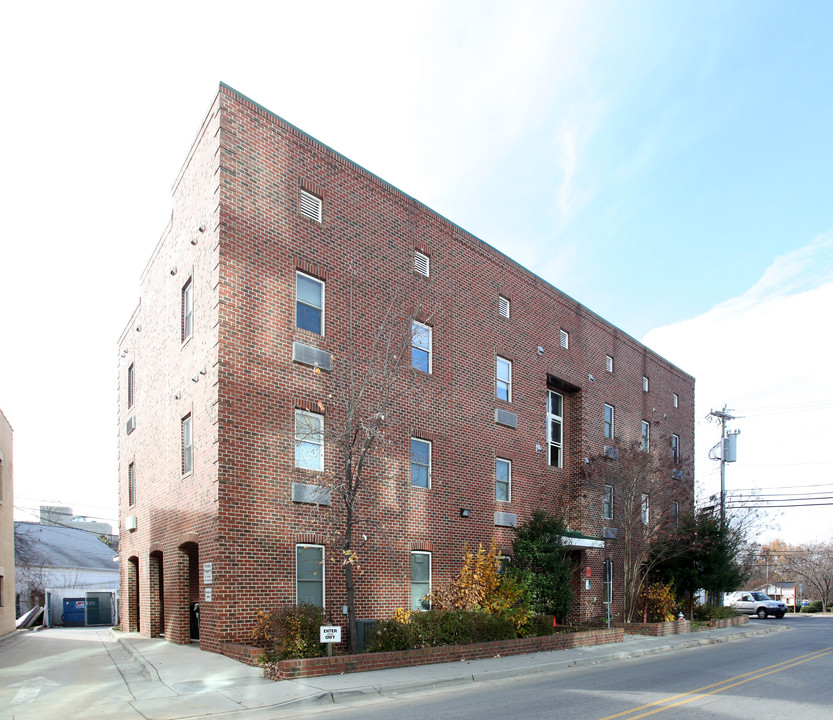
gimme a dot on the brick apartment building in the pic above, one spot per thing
(275, 244)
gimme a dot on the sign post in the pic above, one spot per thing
(330, 634)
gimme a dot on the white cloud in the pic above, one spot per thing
(766, 355)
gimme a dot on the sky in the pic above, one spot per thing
(666, 164)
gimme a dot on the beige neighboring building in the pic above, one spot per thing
(7, 610)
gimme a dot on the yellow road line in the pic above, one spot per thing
(718, 686)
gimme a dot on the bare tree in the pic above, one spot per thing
(813, 564)
(373, 370)
(644, 493)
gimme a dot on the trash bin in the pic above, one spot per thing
(74, 611)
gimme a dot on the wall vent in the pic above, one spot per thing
(307, 355)
(503, 306)
(131, 424)
(422, 263)
(677, 474)
(565, 339)
(504, 417)
(311, 206)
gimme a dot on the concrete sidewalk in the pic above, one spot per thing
(180, 681)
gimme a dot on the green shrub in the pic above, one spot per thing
(718, 612)
(434, 628)
(539, 625)
(290, 632)
(812, 607)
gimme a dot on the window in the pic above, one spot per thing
(609, 363)
(187, 310)
(565, 339)
(555, 421)
(504, 379)
(311, 206)
(646, 436)
(644, 384)
(675, 448)
(503, 306)
(131, 484)
(309, 440)
(646, 508)
(187, 441)
(421, 347)
(607, 502)
(607, 582)
(420, 580)
(309, 303)
(309, 575)
(503, 564)
(503, 480)
(609, 421)
(675, 512)
(676, 400)
(422, 263)
(130, 386)
(420, 463)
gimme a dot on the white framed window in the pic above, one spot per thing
(607, 582)
(646, 436)
(309, 440)
(421, 349)
(503, 480)
(187, 445)
(646, 508)
(309, 303)
(675, 448)
(555, 428)
(609, 421)
(311, 206)
(565, 339)
(504, 379)
(420, 463)
(503, 306)
(130, 380)
(187, 310)
(420, 579)
(609, 363)
(607, 502)
(644, 384)
(131, 484)
(309, 575)
(676, 400)
(675, 512)
(422, 263)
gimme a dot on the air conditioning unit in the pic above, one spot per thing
(130, 523)
(677, 474)
(131, 424)
(611, 452)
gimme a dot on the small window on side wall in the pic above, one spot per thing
(555, 427)
(676, 400)
(420, 580)
(309, 577)
(309, 440)
(503, 389)
(646, 436)
(503, 480)
(607, 502)
(187, 445)
(421, 347)
(420, 463)
(644, 384)
(187, 310)
(309, 303)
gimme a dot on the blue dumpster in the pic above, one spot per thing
(74, 611)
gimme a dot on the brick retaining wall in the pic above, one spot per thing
(312, 667)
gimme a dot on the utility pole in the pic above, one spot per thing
(722, 415)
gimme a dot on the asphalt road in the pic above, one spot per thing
(782, 676)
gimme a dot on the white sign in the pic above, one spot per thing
(207, 573)
(208, 594)
(330, 633)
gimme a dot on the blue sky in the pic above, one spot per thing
(667, 164)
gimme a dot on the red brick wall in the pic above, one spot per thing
(241, 182)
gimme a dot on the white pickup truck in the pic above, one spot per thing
(751, 602)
